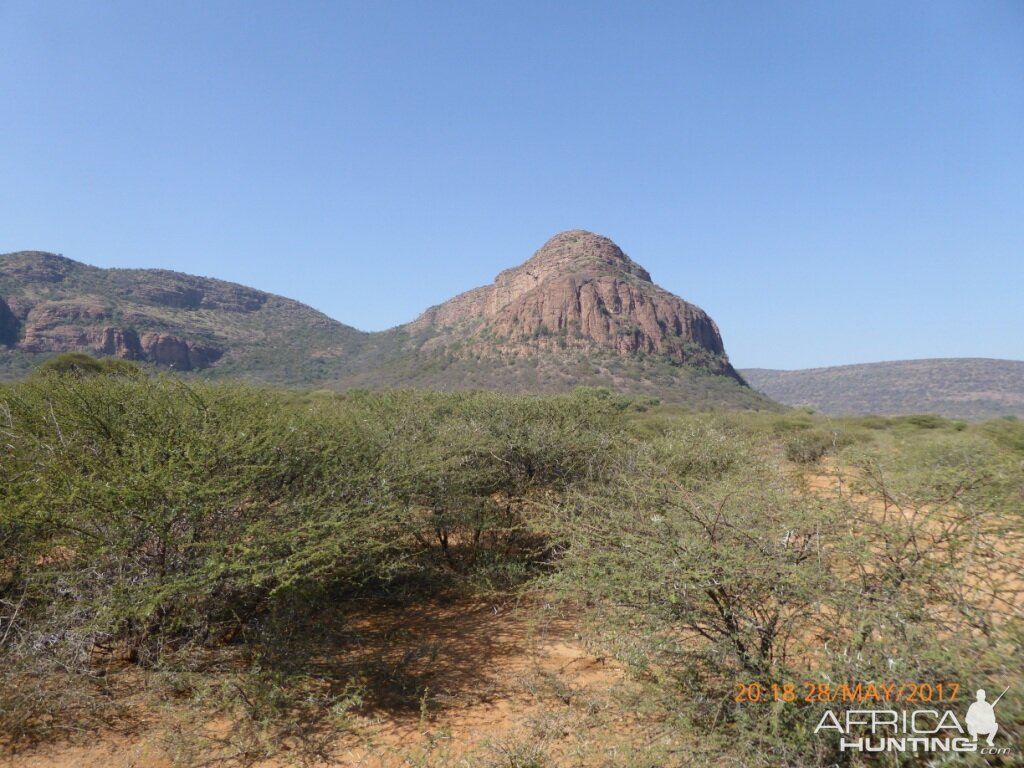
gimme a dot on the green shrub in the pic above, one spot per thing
(873, 422)
(146, 518)
(80, 364)
(205, 531)
(706, 566)
(923, 421)
(1007, 433)
(809, 446)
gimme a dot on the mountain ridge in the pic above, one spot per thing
(970, 388)
(578, 311)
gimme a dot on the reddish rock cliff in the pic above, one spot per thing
(578, 291)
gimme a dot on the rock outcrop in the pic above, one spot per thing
(165, 349)
(60, 329)
(578, 291)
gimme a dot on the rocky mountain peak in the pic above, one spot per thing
(579, 292)
(577, 251)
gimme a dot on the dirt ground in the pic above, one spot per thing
(460, 685)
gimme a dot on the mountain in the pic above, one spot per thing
(959, 388)
(578, 312)
(50, 304)
(579, 291)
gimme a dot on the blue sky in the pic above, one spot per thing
(833, 182)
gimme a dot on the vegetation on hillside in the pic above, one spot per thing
(462, 368)
(200, 532)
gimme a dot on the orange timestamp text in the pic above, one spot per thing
(850, 693)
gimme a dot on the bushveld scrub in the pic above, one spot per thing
(706, 565)
(200, 533)
(146, 519)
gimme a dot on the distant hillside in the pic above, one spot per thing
(579, 312)
(962, 388)
(51, 304)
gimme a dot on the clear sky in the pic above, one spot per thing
(834, 182)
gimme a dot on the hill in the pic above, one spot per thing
(51, 304)
(579, 312)
(579, 291)
(961, 388)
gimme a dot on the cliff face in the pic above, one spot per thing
(89, 325)
(579, 291)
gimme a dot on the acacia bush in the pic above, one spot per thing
(706, 564)
(81, 364)
(146, 519)
(203, 532)
(809, 446)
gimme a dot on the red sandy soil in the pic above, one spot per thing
(497, 677)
